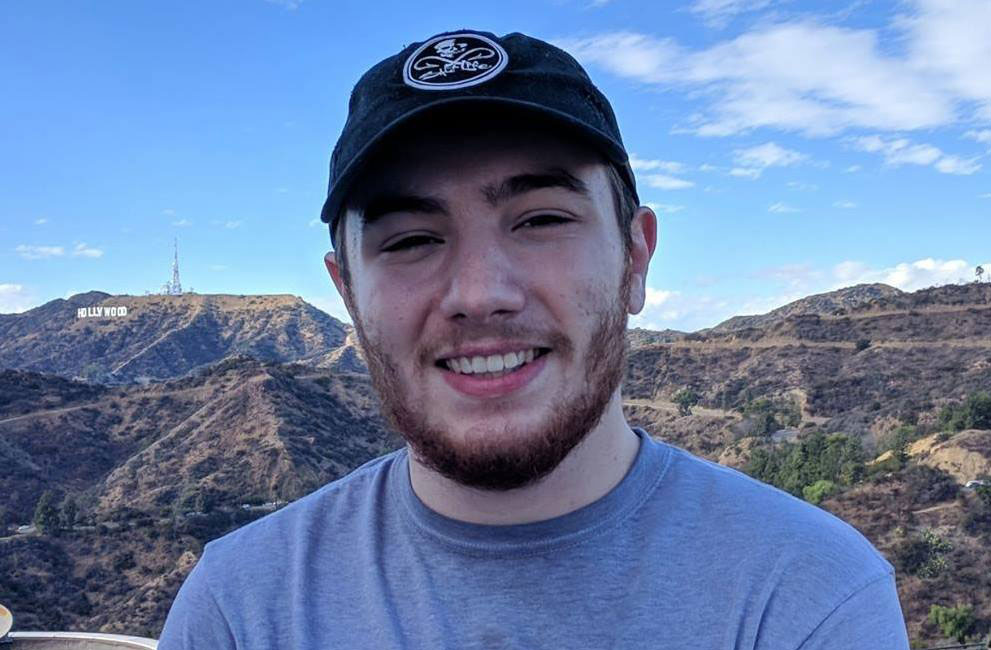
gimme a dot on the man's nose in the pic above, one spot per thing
(483, 283)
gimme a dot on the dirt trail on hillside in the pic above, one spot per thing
(183, 391)
(779, 342)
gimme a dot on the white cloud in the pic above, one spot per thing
(752, 173)
(182, 222)
(314, 222)
(40, 222)
(665, 309)
(954, 165)
(802, 186)
(782, 208)
(233, 224)
(664, 208)
(927, 68)
(753, 161)
(657, 297)
(949, 42)
(706, 167)
(901, 151)
(719, 11)
(983, 136)
(845, 205)
(82, 250)
(661, 307)
(282, 190)
(15, 299)
(168, 212)
(665, 182)
(851, 169)
(986, 195)
(641, 164)
(39, 252)
(768, 154)
(907, 276)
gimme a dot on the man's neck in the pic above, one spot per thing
(587, 474)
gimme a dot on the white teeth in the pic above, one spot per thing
(495, 363)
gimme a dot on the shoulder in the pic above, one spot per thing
(748, 515)
(321, 514)
(794, 562)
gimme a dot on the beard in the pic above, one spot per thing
(518, 458)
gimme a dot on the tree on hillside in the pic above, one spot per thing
(835, 458)
(954, 622)
(46, 515)
(686, 398)
(897, 442)
(70, 512)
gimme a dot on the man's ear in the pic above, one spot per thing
(334, 269)
(643, 241)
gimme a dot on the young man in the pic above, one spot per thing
(489, 247)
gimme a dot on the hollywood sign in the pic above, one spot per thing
(100, 312)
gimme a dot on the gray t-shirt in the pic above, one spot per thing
(683, 553)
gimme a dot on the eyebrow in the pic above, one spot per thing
(384, 204)
(389, 203)
(522, 183)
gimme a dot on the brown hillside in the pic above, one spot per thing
(162, 337)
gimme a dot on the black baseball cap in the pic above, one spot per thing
(465, 66)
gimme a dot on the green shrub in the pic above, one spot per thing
(818, 491)
(922, 556)
(954, 622)
(973, 413)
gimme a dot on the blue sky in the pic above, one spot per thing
(788, 149)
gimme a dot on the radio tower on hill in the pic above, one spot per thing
(174, 288)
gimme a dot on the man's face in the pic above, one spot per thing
(476, 247)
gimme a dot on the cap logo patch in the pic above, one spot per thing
(454, 61)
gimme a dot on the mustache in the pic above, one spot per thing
(471, 333)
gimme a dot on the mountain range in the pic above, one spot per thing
(192, 414)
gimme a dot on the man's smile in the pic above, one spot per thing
(467, 363)
(494, 375)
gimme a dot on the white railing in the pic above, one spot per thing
(77, 641)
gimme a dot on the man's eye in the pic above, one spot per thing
(544, 220)
(410, 243)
